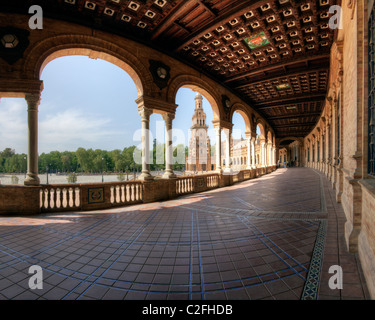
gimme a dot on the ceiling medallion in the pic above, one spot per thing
(283, 86)
(13, 43)
(160, 73)
(226, 103)
(256, 41)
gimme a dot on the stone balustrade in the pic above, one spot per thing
(22, 200)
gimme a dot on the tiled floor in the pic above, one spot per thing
(274, 237)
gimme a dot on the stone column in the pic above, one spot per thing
(253, 160)
(269, 154)
(33, 101)
(228, 135)
(265, 146)
(248, 144)
(145, 114)
(218, 148)
(329, 151)
(262, 153)
(168, 118)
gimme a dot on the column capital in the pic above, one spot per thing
(222, 124)
(168, 117)
(145, 113)
(227, 130)
(33, 100)
(159, 106)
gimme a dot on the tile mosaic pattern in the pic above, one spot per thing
(253, 240)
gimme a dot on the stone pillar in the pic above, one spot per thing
(249, 151)
(265, 156)
(228, 135)
(145, 114)
(262, 153)
(253, 160)
(168, 118)
(33, 101)
(218, 148)
(329, 150)
(270, 155)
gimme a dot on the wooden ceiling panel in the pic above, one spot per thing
(272, 53)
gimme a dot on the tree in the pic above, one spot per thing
(7, 153)
(72, 178)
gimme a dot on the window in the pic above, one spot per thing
(371, 89)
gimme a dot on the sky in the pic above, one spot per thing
(91, 104)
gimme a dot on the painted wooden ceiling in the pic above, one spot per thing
(274, 54)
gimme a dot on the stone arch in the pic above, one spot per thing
(279, 141)
(269, 137)
(68, 45)
(262, 128)
(198, 85)
(239, 108)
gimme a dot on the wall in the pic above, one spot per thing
(346, 166)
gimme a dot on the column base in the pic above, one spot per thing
(32, 180)
(228, 171)
(169, 175)
(145, 176)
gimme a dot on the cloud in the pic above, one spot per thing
(73, 128)
(13, 124)
(65, 130)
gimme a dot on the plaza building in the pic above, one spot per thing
(302, 72)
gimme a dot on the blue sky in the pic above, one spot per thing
(91, 104)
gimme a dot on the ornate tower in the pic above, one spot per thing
(199, 158)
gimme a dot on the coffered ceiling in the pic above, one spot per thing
(272, 53)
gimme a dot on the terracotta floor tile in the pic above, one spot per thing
(253, 240)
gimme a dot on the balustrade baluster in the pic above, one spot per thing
(118, 195)
(71, 197)
(123, 199)
(127, 196)
(112, 198)
(132, 192)
(78, 197)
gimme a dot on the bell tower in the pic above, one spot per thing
(199, 117)
(199, 158)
